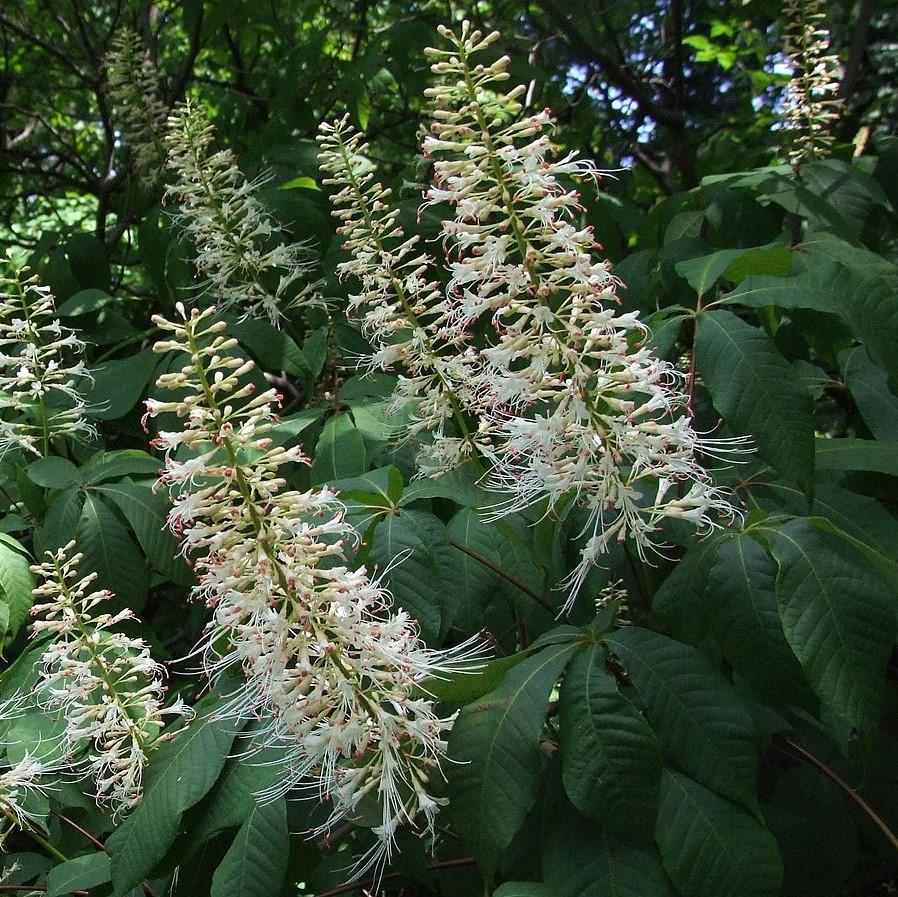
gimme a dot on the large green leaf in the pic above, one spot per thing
(79, 874)
(741, 597)
(752, 386)
(16, 583)
(610, 758)
(256, 862)
(522, 889)
(119, 384)
(581, 858)
(110, 553)
(868, 384)
(146, 512)
(858, 454)
(405, 546)
(180, 773)
(838, 616)
(699, 719)
(712, 848)
(494, 745)
(60, 522)
(340, 451)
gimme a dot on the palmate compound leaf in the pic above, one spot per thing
(751, 385)
(712, 848)
(699, 719)
(495, 778)
(611, 761)
(838, 616)
(256, 862)
(180, 774)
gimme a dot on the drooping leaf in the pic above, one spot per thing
(118, 384)
(340, 451)
(495, 742)
(751, 385)
(146, 512)
(741, 596)
(180, 773)
(699, 719)
(838, 617)
(80, 874)
(713, 848)
(16, 583)
(610, 757)
(109, 552)
(256, 862)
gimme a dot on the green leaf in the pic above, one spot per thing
(340, 451)
(464, 687)
(857, 454)
(275, 349)
(178, 776)
(752, 387)
(88, 260)
(300, 183)
(868, 384)
(703, 272)
(79, 874)
(581, 858)
(16, 583)
(83, 303)
(838, 617)
(494, 779)
(775, 260)
(256, 862)
(109, 551)
(684, 225)
(404, 546)
(741, 596)
(119, 384)
(611, 760)
(712, 848)
(380, 488)
(112, 465)
(461, 485)
(700, 721)
(54, 473)
(146, 512)
(60, 522)
(522, 889)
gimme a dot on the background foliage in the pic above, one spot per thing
(739, 735)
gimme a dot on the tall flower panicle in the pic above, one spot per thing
(133, 85)
(811, 104)
(577, 410)
(239, 251)
(329, 666)
(401, 307)
(41, 374)
(105, 683)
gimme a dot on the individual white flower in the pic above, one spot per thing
(402, 308)
(810, 105)
(133, 85)
(41, 374)
(580, 407)
(106, 684)
(330, 669)
(239, 250)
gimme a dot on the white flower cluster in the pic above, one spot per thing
(811, 105)
(402, 308)
(569, 399)
(105, 683)
(39, 381)
(328, 667)
(133, 85)
(239, 253)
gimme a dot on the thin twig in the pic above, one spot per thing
(833, 776)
